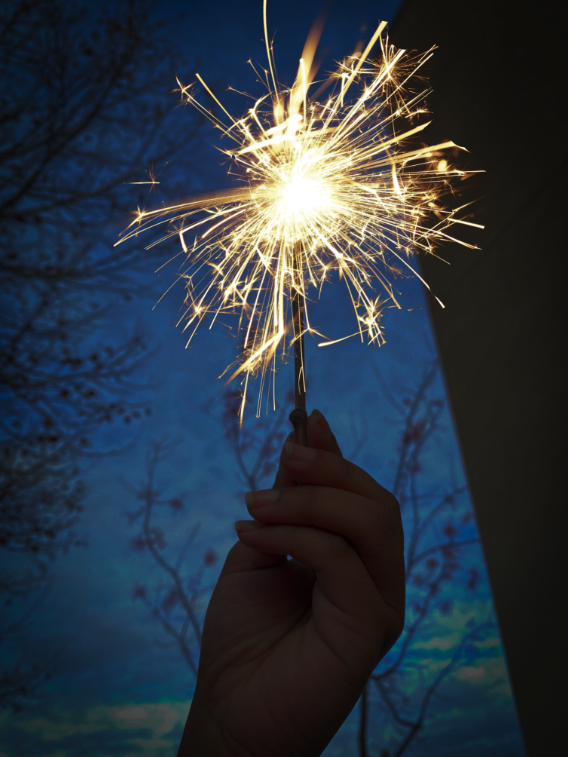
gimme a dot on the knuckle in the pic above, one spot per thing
(384, 518)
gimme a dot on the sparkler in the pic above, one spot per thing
(328, 186)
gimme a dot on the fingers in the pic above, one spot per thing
(345, 591)
(339, 497)
(320, 436)
(283, 478)
(322, 468)
(373, 527)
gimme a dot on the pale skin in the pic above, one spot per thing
(289, 644)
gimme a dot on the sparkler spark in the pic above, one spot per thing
(328, 186)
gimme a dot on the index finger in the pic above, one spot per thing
(317, 467)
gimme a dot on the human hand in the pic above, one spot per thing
(288, 645)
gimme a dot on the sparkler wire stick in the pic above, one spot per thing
(299, 416)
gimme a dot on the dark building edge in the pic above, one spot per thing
(497, 90)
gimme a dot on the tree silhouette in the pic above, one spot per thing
(174, 598)
(255, 444)
(82, 112)
(180, 591)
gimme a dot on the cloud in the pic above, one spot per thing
(494, 641)
(164, 716)
(451, 641)
(489, 672)
(149, 729)
(439, 642)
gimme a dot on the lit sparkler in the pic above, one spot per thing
(328, 186)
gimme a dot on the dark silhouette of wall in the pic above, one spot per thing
(497, 91)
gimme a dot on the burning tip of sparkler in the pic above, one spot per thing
(330, 187)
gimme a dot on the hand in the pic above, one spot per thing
(288, 645)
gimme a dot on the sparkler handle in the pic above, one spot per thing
(298, 417)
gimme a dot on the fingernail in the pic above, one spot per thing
(261, 498)
(242, 526)
(299, 454)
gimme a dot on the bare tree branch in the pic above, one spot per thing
(81, 114)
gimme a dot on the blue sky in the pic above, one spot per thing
(117, 690)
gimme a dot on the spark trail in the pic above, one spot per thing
(332, 181)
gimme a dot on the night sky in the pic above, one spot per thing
(119, 689)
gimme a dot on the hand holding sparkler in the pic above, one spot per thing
(288, 646)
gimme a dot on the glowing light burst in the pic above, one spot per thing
(328, 186)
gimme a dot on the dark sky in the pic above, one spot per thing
(118, 692)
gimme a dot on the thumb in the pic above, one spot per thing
(320, 436)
